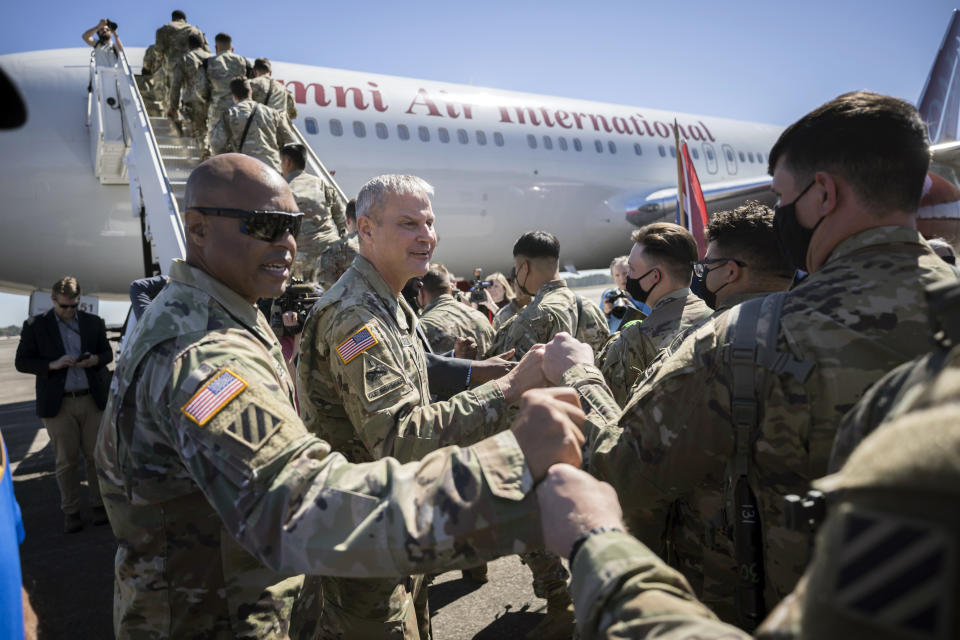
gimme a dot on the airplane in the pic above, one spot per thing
(502, 163)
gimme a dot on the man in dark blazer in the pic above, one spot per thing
(67, 350)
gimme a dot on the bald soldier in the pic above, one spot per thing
(364, 386)
(216, 491)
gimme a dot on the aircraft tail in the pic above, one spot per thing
(939, 103)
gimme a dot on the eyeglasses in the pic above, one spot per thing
(700, 266)
(262, 225)
(68, 306)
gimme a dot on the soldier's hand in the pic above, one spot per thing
(528, 374)
(572, 502)
(548, 429)
(465, 348)
(563, 352)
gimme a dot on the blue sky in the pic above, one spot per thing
(752, 60)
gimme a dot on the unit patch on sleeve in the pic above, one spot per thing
(213, 396)
(356, 344)
(253, 426)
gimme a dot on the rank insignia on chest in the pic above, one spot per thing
(213, 396)
(356, 344)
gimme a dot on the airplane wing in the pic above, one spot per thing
(662, 203)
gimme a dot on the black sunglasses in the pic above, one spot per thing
(701, 268)
(68, 306)
(262, 225)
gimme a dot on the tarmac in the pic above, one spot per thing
(70, 577)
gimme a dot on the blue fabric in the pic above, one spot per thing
(11, 535)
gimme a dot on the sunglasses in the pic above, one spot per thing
(268, 226)
(701, 268)
(68, 306)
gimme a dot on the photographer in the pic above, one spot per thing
(107, 44)
(615, 301)
(287, 314)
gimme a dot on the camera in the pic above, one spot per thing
(299, 298)
(619, 301)
(477, 287)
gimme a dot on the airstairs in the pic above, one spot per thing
(131, 142)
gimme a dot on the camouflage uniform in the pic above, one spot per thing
(631, 350)
(171, 43)
(280, 97)
(268, 132)
(859, 315)
(181, 495)
(902, 483)
(335, 259)
(509, 310)
(194, 108)
(214, 85)
(445, 319)
(154, 83)
(363, 387)
(321, 210)
(554, 309)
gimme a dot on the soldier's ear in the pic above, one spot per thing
(196, 226)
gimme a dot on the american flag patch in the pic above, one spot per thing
(356, 344)
(205, 403)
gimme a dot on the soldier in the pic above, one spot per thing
(194, 108)
(661, 266)
(214, 83)
(250, 128)
(321, 209)
(214, 488)
(444, 319)
(364, 387)
(154, 82)
(172, 42)
(554, 307)
(771, 386)
(271, 92)
(335, 259)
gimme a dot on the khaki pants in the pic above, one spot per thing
(72, 430)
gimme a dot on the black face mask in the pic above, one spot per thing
(636, 291)
(792, 238)
(522, 287)
(709, 297)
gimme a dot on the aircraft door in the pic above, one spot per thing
(731, 159)
(711, 156)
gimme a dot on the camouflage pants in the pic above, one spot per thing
(215, 109)
(309, 247)
(549, 575)
(195, 113)
(370, 608)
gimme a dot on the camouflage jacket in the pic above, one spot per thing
(630, 351)
(505, 313)
(268, 132)
(280, 97)
(201, 449)
(553, 309)
(321, 211)
(335, 259)
(445, 319)
(363, 377)
(172, 41)
(901, 484)
(218, 71)
(184, 77)
(859, 315)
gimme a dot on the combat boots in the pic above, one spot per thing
(558, 623)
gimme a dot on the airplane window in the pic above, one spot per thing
(729, 155)
(710, 154)
(532, 141)
(402, 132)
(382, 132)
(759, 157)
(743, 157)
(662, 150)
(481, 138)
(637, 149)
(462, 136)
(750, 155)
(562, 142)
(498, 138)
(424, 133)
(311, 124)
(673, 152)
(612, 146)
(577, 145)
(359, 129)
(443, 134)
(696, 154)
(335, 127)
(547, 143)
(598, 146)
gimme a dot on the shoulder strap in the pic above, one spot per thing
(576, 331)
(266, 100)
(246, 128)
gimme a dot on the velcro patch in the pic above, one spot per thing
(356, 344)
(213, 396)
(253, 426)
(379, 378)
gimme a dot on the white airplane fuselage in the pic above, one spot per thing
(501, 162)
